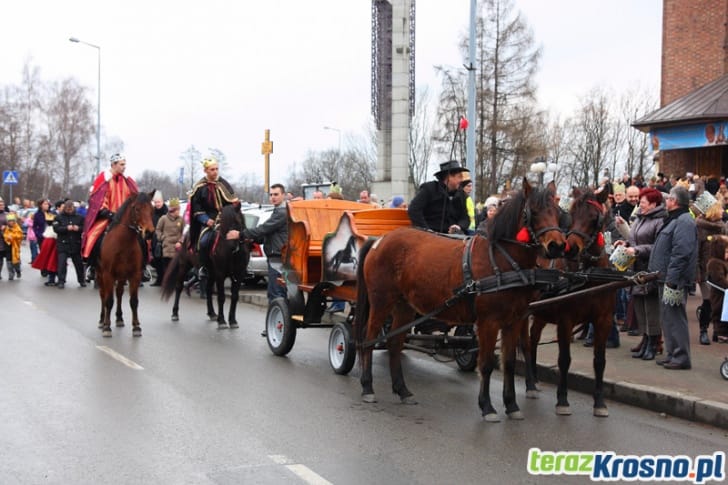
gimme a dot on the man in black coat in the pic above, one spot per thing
(69, 227)
(439, 205)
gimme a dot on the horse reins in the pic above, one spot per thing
(591, 239)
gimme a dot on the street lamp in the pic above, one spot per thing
(98, 106)
(540, 167)
(339, 132)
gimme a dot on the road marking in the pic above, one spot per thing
(117, 356)
(301, 471)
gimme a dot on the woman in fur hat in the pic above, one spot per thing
(717, 269)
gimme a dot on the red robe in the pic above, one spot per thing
(108, 192)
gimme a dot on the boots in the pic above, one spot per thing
(639, 350)
(650, 347)
(704, 320)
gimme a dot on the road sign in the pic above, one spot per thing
(10, 177)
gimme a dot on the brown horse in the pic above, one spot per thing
(409, 271)
(120, 260)
(589, 217)
(176, 275)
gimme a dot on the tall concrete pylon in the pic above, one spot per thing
(393, 72)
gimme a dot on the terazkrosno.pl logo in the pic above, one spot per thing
(608, 466)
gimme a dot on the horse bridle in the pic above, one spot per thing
(534, 235)
(591, 239)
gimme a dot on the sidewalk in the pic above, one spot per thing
(699, 394)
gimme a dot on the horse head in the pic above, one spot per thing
(141, 214)
(231, 219)
(589, 218)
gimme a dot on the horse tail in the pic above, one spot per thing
(169, 281)
(361, 315)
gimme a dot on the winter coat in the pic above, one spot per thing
(68, 242)
(437, 209)
(13, 237)
(3, 225)
(674, 253)
(642, 234)
(273, 233)
(717, 273)
(169, 232)
(706, 228)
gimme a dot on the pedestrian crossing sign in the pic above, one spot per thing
(10, 177)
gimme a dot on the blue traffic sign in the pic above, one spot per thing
(10, 177)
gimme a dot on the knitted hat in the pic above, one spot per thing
(397, 201)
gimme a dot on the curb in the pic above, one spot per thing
(650, 398)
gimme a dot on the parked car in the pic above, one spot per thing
(258, 265)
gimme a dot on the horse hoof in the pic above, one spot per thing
(601, 412)
(212, 316)
(233, 325)
(410, 400)
(106, 333)
(515, 415)
(369, 398)
(563, 410)
(137, 332)
(533, 394)
(175, 318)
(119, 324)
(492, 418)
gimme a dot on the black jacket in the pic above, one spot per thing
(68, 241)
(437, 209)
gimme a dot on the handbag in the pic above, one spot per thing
(157, 252)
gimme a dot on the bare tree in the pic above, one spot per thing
(153, 180)
(421, 140)
(634, 104)
(190, 159)
(70, 123)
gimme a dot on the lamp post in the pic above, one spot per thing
(98, 105)
(339, 132)
(540, 166)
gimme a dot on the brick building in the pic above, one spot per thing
(690, 130)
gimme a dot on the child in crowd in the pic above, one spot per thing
(13, 237)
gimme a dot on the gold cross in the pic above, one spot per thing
(266, 150)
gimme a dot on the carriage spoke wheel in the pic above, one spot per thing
(281, 330)
(342, 352)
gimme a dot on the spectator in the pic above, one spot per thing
(69, 226)
(170, 228)
(675, 258)
(13, 236)
(160, 209)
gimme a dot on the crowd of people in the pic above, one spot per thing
(676, 226)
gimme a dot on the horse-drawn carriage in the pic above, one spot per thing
(319, 267)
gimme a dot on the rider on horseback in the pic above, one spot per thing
(209, 195)
(109, 191)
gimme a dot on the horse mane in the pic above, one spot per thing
(507, 221)
(140, 197)
(231, 218)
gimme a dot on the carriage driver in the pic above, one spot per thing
(439, 205)
(209, 195)
(109, 191)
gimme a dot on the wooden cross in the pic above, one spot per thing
(266, 150)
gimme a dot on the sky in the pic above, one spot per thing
(217, 74)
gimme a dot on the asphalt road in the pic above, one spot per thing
(188, 403)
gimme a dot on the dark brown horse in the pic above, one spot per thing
(177, 273)
(589, 218)
(120, 259)
(228, 259)
(409, 271)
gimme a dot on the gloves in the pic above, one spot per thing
(106, 214)
(672, 296)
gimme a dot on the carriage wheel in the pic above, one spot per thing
(724, 369)
(466, 359)
(281, 330)
(342, 352)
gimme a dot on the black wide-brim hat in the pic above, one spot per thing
(451, 166)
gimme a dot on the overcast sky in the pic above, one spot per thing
(216, 74)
